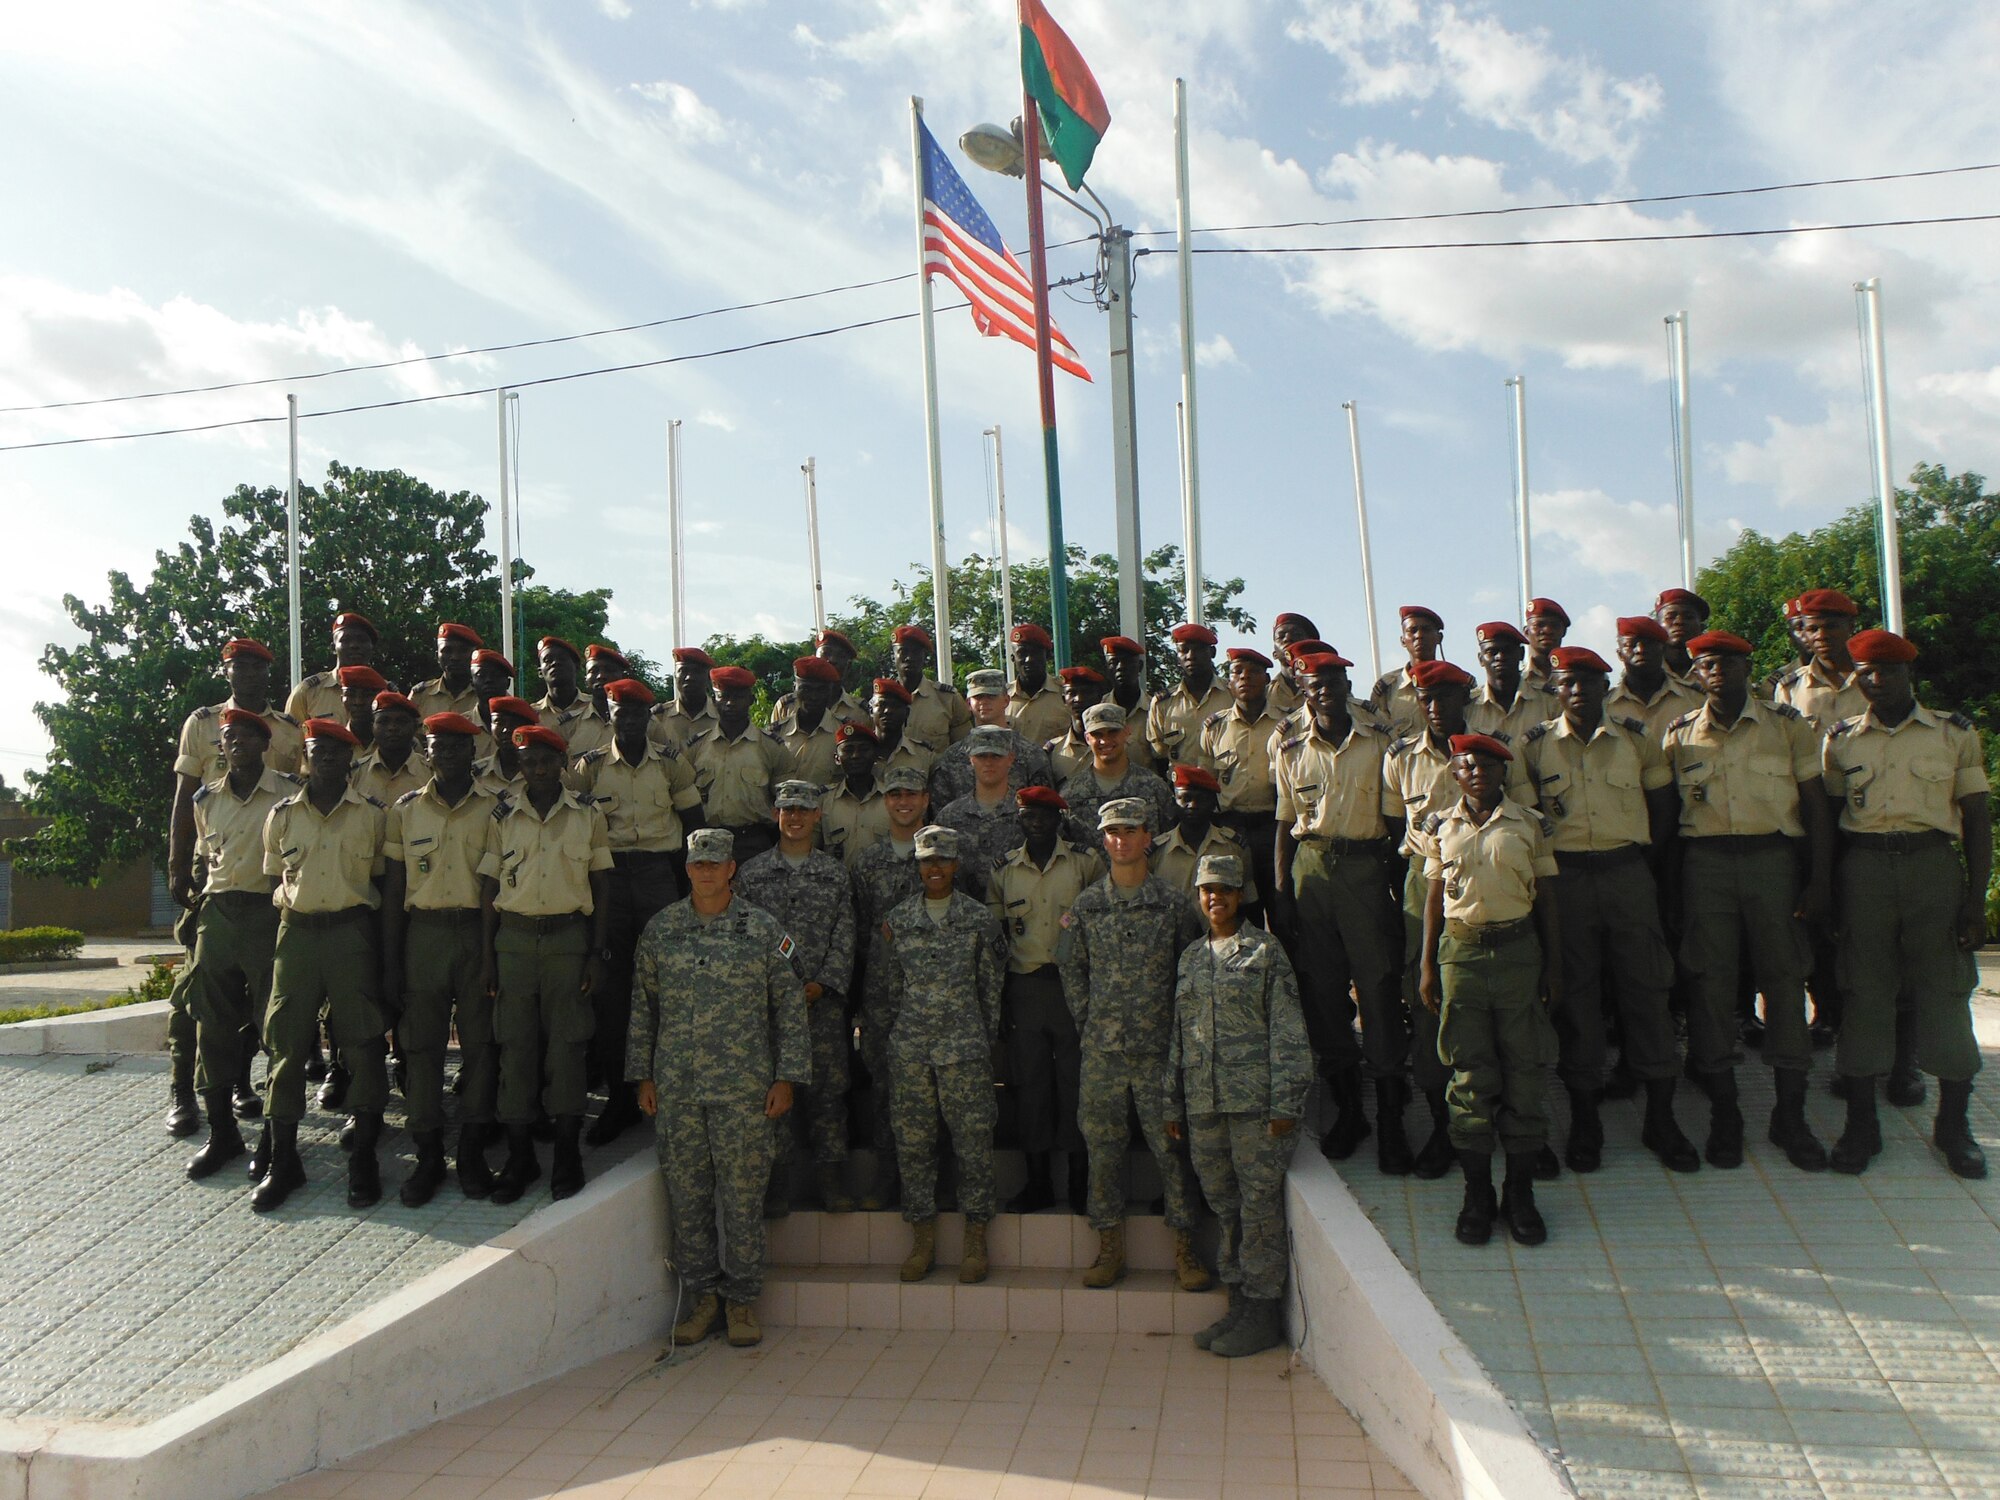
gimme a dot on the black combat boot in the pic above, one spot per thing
(522, 1168)
(285, 1173)
(1584, 1151)
(621, 1111)
(333, 1093)
(1517, 1200)
(1437, 1157)
(224, 1144)
(1725, 1121)
(1350, 1124)
(1661, 1134)
(260, 1159)
(243, 1099)
(1861, 1141)
(183, 1114)
(475, 1178)
(429, 1173)
(364, 1173)
(1952, 1134)
(566, 1175)
(1392, 1145)
(1476, 1215)
(1789, 1131)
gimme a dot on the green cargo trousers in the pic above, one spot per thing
(181, 1039)
(441, 963)
(1898, 909)
(1427, 1066)
(1610, 919)
(1495, 1034)
(326, 961)
(236, 939)
(1349, 935)
(1737, 896)
(542, 1019)
(716, 1161)
(1242, 1170)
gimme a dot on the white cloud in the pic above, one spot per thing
(617, 10)
(1215, 351)
(687, 116)
(722, 421)
(1617, 538)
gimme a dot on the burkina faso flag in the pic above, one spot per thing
(1073, 113)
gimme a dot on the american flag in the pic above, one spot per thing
(960, 243)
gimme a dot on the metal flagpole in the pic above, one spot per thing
(1038, 259)
(1190, 452)
(940, 572)
(506, 529)
(810, 468)
(1367, 555)
(676, 575)
(1124, 434)
(1519, 385)
(1870, 292)
(296, 637)
(1006, 572)
(1677, 360)
(1190, 531)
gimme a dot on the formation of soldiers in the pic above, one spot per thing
(1053, 906)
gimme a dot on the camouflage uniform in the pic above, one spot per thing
(951, 772)
(1119, 954)
(813, 902)
(940, 983)
(1086, 792)
(1237, 1058)
(987, 835)
(718, 1016)
(883, 877)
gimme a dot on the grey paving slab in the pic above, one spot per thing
(127, 1291)
(1757, 1332)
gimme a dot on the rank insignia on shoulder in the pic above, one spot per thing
(1686, 718)
(1534, 734)
(1548, 828)
(409, 797)
(1960, 720)
(1637, 726)
(374, 801)
(1783, 710)
(1433, 823)
(1845, 726)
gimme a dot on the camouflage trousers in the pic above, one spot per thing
(963, 1094)
(1242, 1170)
(1110, 1079)
(230, 982)
(441, 963)
(716, 1161)
(822, 1123)
(1494, 1034)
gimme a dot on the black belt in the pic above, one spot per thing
(540, 924)
(1898, 843)
(239, 899)
(328, 918)
(1741, 843)
(1601, 859)
(1346, 846)
(445, 916)
(642, 858)
(1487, 934)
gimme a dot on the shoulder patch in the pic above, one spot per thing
(1433, 822)
(1502, 736)
(1548, 828)
(283, 717)
(204, 713)
(1786, 711)
(1845, 726)
(786, 947)
(1398, 746)
(375, 802)
(501, 806)
(592, 757)
(1637, 726)
(1960, 720)
(1217, 717)
(1686, 718)
(409, 796)
(1534, 734)
(203, 792)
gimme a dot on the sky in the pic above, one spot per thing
(236, 192)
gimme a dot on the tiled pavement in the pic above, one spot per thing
(949, 1416)
(127, 1291)
(1759, 1332)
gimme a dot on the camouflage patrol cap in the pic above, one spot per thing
(1103, 716)
(903, 779)
(986, 683)
(989, 739)
(711, 846)
(1220, 869)
(1123, 812)
(935, 841)
(803, 794)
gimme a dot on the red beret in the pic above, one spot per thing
(1641, 628)
(598, 652)
(628, 690)
(450, 724)
(1082, 674)
(1184, 633)
(514, 708)
(359, 622)
(1031, 632)
(1501, 630)
(242, 718)
(1826, 602)
(1309, 648)
(1880, 646)
(1422, 612)
(1680, 596)
(1041, 796)
(1480, 744)
(389, 699)
(1578, 659)
(1793, 610)
(889, 687)
(733, 677)
(852, 727)
(1111, 644)
(1719, 643)
(1289, 618)
(330, 729)
(692, 654)
(1435, 674)
(560, 644)
(1547, 607)
(1186, 775)
(1315, 662)
(486, 658)
(905, 633)
(815, 669)
(362, 677)
(540, 734)
(449, 631)
(1250, 654)
(833, 635)
(245, 647)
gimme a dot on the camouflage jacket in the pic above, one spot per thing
(951, 772)
(986, 836)
(814, 903)
(1238, 1044)
(939, 985)
(1085, 794)
(1119, 960)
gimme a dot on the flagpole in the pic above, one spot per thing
(940, 573)
(1006, 572)
(1184, 255)
(1038, 270)
(295, 635)
(676, 575)
(810, 468)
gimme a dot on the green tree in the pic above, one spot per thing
(403, 553)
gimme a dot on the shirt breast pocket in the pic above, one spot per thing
(1623, 773)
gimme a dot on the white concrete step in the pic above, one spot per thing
(1055, 1240)
(1018, 1301)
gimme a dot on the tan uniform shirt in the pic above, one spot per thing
(1531, 706)
(1175, 860)
(1593, 790)
(848, 824)
(1743, 780)
(200, 751)
(374, 779)
(846, 709)
(1394, 702)
(439, 846)
(1238, 749)
(1031, 900)
(325, 863)
(318, 697)
(544, 865)
(229, 831)
(641, 802)
(489, 778)
(672, 727)
(1284, 697)
(939, 716)
(1672, 700)
(907, 753)
(736, 778)
(432, 697)
(1416, 782)
(1332, 791)
(1040, 718)
(1068, 753)
(1489, 872)
(1173, 723)
(1906, 779)
(1819, 695)
(811, 753)
(582, 727)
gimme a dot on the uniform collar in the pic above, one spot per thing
(430, 790)
(1064, 848)
(348, 793)
(1264, 711)
(1755, 711)
(1609, 725)
(1043, 691)
(564, 799)
(1918, 715)
(1508, 808)
(269, 781)
(651, 752)
(1182, 690)
(1356, 724)
(1668, 688)
(841, 789)
(1816, 676)
(584, 707)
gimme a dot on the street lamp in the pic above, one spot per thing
(999, 149)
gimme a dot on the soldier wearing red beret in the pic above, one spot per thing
(1684, 615)
(393, 764)
(938, 715)
(891, 707)
(1035, 707)
(499, 771)
(451, 691)
(808, 732)
(692, 712)
(1177, 853)
(1824, 689)
(1646, 690)
(1548, 622)
(563, 707)
(837, 651)
(1174, 720)
(358, 687)
(1506, 705)
(1125, 666)
(356, 643)
(1069, 752)
(737, 765)
(1393, 699)
(1236, 744)
(1290, 633)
